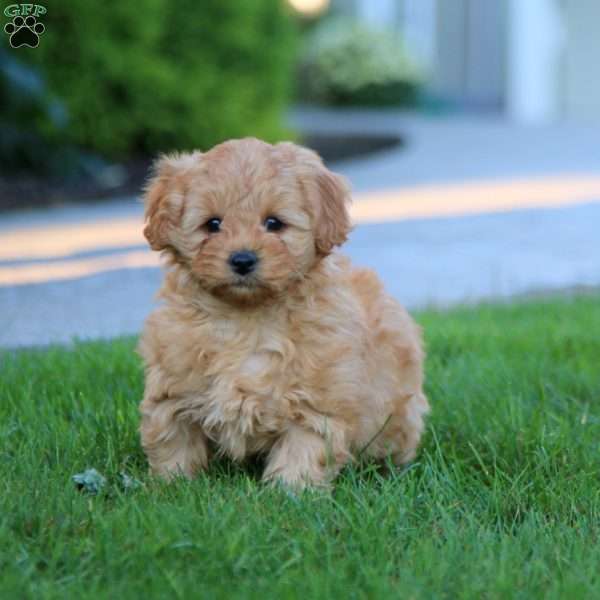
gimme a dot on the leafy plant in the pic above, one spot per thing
(346, 62)
(28, 108)
(153, 76)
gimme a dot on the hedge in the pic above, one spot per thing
(154, 75)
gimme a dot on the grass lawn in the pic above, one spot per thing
(504, 500)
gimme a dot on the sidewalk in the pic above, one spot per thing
(437, 219)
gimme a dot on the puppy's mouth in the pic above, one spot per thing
(246, 282)
(243, 290)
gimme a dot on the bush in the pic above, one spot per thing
(139, 77)
(26, 108)
(347, 63)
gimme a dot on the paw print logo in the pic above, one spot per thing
(24, 32)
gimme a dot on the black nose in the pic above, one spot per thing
(243, 262)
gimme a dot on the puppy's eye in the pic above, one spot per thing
(213, 225)
(273, 224)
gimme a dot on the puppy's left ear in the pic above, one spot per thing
(332, 221)
(327, 195)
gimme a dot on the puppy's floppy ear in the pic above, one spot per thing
(328, 195)
(163, 197)
(332, 222)
(156, 211)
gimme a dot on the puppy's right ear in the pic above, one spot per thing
(156, 201)
(164, 197)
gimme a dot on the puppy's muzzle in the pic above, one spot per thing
(243, 262)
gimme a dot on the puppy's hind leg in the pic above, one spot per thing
(301, 458)
(173, 444)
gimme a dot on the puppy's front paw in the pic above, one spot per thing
(294, 482)
(172, 471)
(174, 447)
(302, 459)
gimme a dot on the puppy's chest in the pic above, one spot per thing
(248, 391)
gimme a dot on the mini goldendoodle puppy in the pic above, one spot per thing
(267, 341)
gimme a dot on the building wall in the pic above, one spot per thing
(535, 60)
(471, 49)
(535, 50)
(581, 64)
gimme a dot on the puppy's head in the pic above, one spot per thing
(247, 218)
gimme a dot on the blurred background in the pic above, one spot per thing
(468, 129)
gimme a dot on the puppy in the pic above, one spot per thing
(267, 341)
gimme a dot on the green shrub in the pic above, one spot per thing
(139, 77)
(347, 63)
(26, 107)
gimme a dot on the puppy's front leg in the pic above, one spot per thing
(173, 445)
(302, 458)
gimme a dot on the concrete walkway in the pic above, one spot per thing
(470, 209)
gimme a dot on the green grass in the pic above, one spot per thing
(504, 500)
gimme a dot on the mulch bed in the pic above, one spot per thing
(28, 190)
